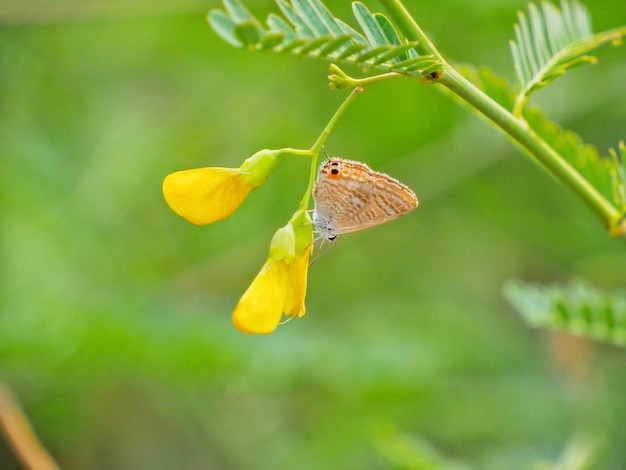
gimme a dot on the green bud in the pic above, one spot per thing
(283, 245)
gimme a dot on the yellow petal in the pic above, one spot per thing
(205, 195)
(298, 271)
(303, 231)
(260, 308)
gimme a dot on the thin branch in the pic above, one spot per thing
(20, 435)
(517, 128)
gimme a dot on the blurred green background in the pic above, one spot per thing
(115, 329)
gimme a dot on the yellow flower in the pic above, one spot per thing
(280, 287)
(206, 195)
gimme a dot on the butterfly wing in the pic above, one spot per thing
(388, 200)
(349, 196)
(340, 196)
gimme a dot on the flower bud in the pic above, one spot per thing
(206, 195)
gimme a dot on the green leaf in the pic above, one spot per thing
(309, 29)
(351, 50)
(549, 42)
(618, 176)
(248, 33)
(389, 32)
(334, 45)
(395, 53)
(346, 29)
(271, 39)
(309, 15)
(314, 44)
(371, 54)
(370, 26)
(326, 17)
(293, 45)
(302, 30)
(577, 308)
(391, 35)
(224, 27)
(418, 63)
(276, 23)
(238, 12)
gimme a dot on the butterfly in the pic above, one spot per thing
(350, 196)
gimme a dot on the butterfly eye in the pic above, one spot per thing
(333, 173)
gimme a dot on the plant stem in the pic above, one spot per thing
(411, 29)
(317, 146)
(550, 159)
(535, 145)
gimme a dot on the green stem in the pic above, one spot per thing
(363, 82)
(411, 29)
(317, 146)
(297, 152)
(340, 80)
(535, 145)
(516, 128)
